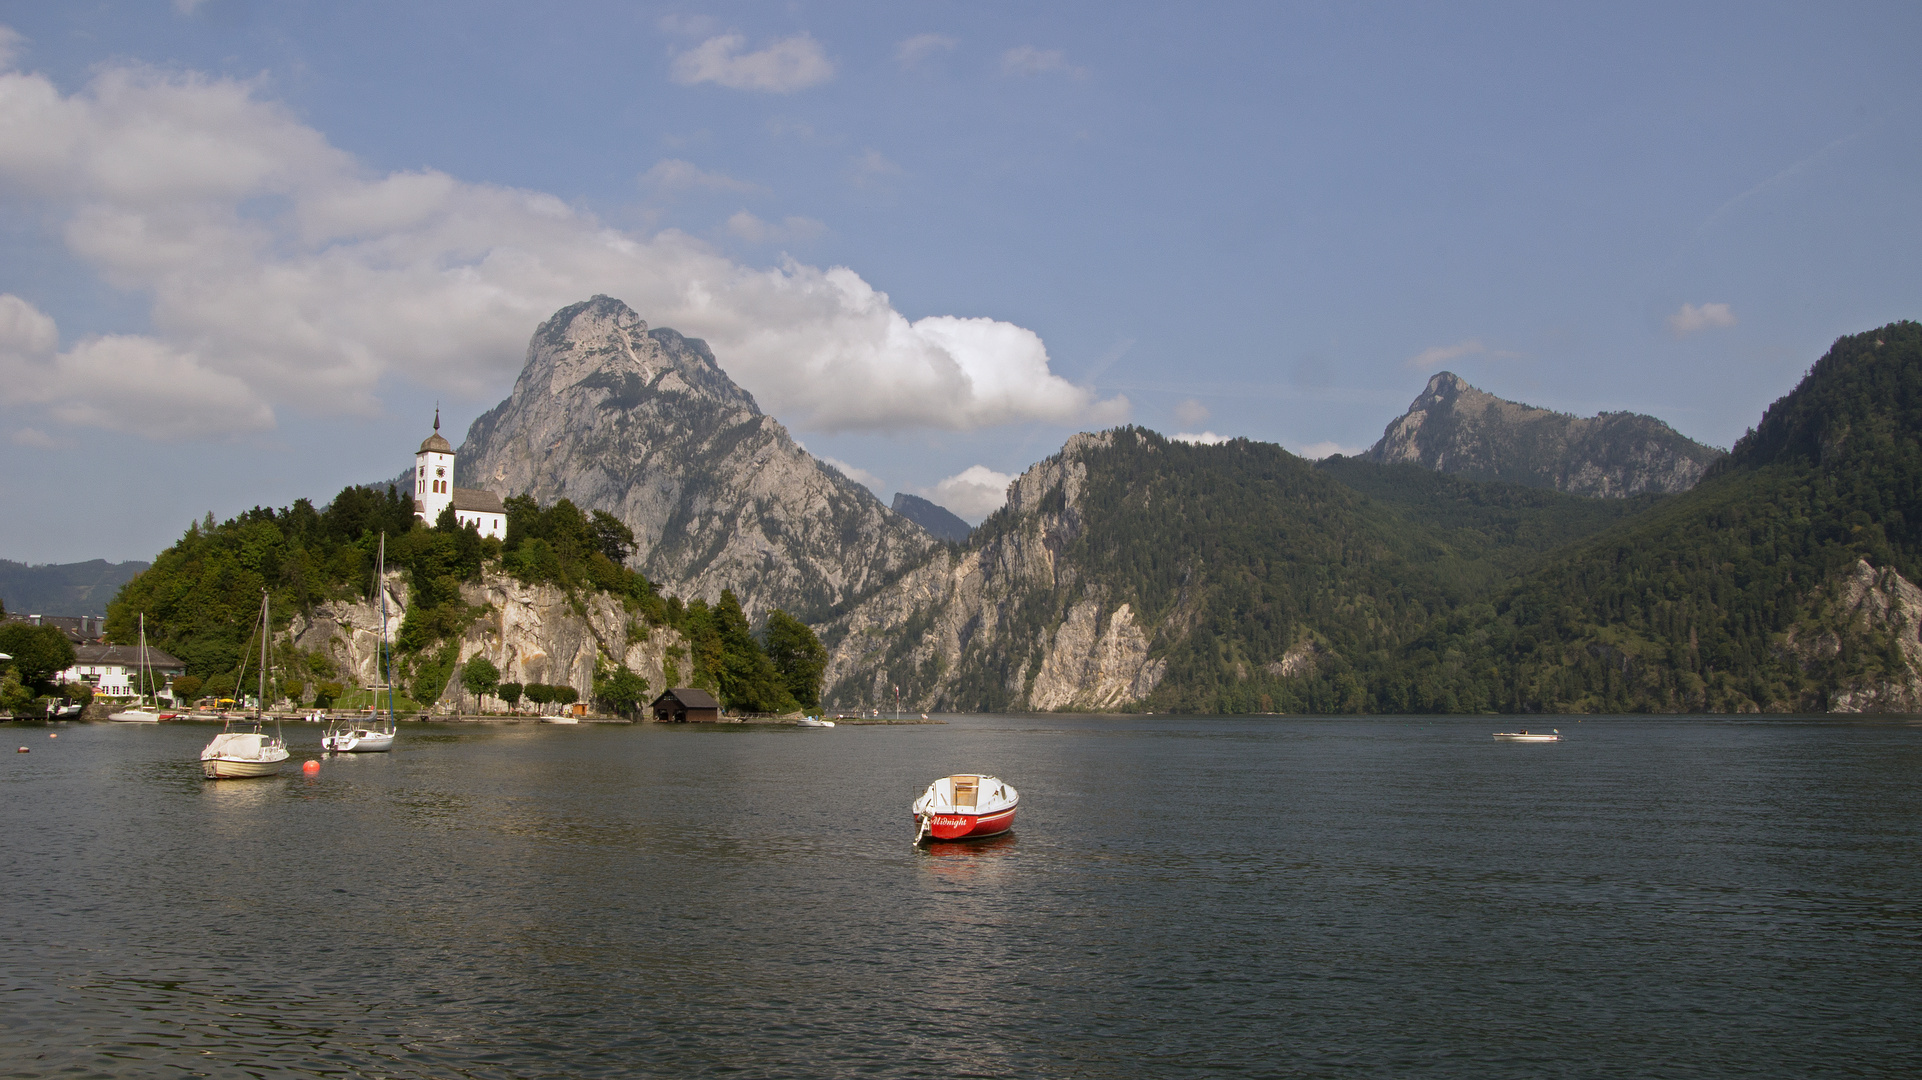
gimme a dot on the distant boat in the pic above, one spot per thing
(347, 736)
(562, 719)
(813, 721)
(144, 712)
(234, 755)
(966, 806)
(1525, 735)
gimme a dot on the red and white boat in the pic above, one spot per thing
(966, 806)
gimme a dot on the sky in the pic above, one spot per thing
(247, 248)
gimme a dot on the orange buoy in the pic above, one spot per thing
(24, 750)
(53, 734)
(312, 766)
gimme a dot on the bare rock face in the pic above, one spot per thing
(1884, 604)
(531, 633)
(1454, 428)
(645, 425)
(1002, 625)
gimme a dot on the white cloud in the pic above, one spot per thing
(10, 46)
(37, 439)
(120, 381)
(1690, 318)
(674, 175)
(1428, 359)
(755, 231)
(1205, 438)
(1191, 412)
(857, 474)
(872, 166)
(1317, 451)
(282, 273)
(1028, 60)
(788, 65)
(972, 494)
(921, 46)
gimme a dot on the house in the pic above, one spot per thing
(114, 670)
(434, 489)
(80, 629)
(683, 705)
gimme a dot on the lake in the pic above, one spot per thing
(1180, 897)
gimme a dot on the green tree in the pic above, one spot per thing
(612, 537)
(798, 655)
(480, 675)
(39, 652)
(509, 692)
(326, 693)
(13, 696)
(186, 686)
(621, 692)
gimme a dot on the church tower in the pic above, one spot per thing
(433, 475)
(434, 490)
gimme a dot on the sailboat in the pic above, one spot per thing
(348, 737)
(143, 712)
(235, 754)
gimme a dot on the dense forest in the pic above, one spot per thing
(1273, 584)
(201, 598)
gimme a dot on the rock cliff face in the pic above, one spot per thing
(532, 633)
(645, 425)
(1879, 606)
(1005, 624)
(1454, 428)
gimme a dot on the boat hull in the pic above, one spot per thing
(359, 742)
(241, 769)
(970, 826)
(135, 716)
(1524, 736)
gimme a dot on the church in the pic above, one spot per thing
(434, 489)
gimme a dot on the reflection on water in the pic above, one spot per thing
(1181, 897)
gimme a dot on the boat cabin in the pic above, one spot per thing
(684, 705)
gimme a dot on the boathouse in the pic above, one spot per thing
(684, 705)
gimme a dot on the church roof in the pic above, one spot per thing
(477, 501)
(435, 443)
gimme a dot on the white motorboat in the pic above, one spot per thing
(1526, 735)
(359, 737)
(234, 755)
(142, 712)
(966, 806)
(563, 719)
(813, 721)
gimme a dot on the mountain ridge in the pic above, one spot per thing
(1454, 427)
(643, 423)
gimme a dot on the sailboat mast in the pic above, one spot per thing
(264, 626)
(387, 650)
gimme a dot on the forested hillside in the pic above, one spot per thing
(1131, 571)
(201, 597)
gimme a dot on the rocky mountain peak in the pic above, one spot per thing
(1454, 427)
(644, 424)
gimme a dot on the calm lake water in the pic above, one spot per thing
(1181, 897)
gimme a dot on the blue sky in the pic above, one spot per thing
(245, 247)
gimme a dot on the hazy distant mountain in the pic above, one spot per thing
(934, 517)
(81, 588)
(1453, 427)
(644, 424)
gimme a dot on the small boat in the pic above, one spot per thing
(965, 806)
(562, 719)
(69, 711)
(346, 736)
(1525, 735)
(235, 755)
(813, 721)
(143, 712)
